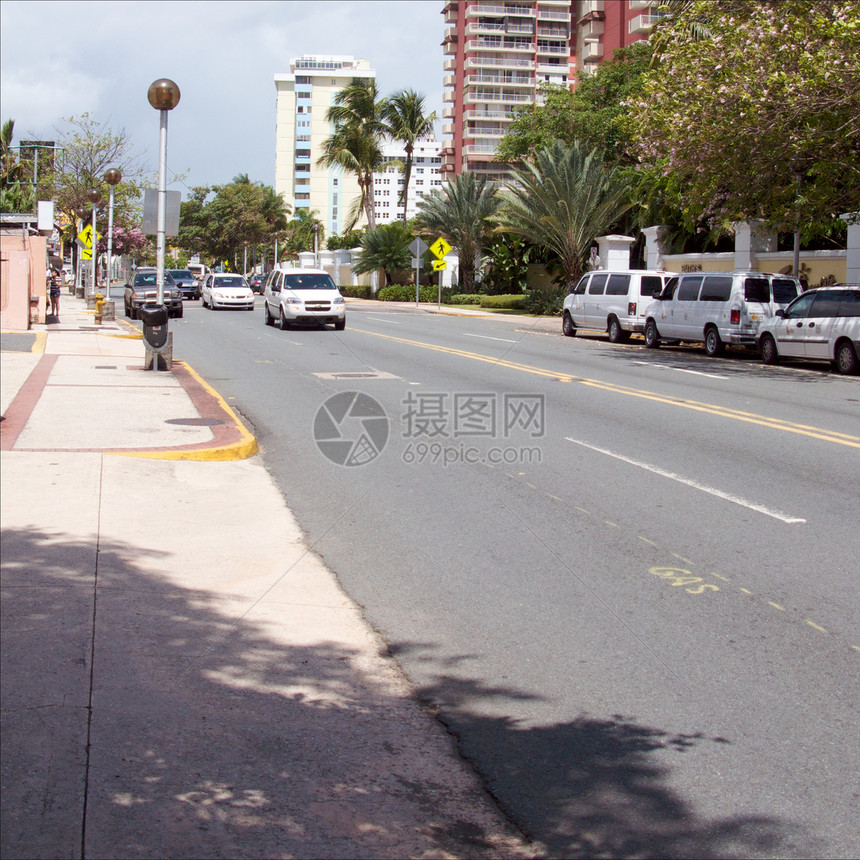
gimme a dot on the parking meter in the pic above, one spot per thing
(154, 319)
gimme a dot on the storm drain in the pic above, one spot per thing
(360, 374)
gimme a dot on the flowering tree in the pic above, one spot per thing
(759, 116)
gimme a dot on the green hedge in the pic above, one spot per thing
(406, 293)
(467, 299)
(355, 292)
(504, 302)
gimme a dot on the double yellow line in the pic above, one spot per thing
(710, 408)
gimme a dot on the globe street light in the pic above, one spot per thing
(94, 196)
(112, 177)
(163, 95)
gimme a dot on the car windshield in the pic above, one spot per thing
(148, 279)
(181, 273)
(229, 282)
(309, 282)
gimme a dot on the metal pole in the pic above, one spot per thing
(94, 248)
(440, 290)
(162, 208)
(796, 270)
(109, 242)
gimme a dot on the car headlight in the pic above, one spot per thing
(338, 301)
(292, 301)
(217, 294)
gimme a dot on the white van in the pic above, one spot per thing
(613, 302)
(717, 308)
(302, 296)
(198, 270)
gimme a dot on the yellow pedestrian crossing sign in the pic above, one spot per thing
(440, 248)
(86, 236)
(439, 265)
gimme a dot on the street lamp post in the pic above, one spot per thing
(316, 228)
(112, 177)
(163, 95)
(94, 196)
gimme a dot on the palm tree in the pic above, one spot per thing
(562, 201)
(460, 212)
(355, 143)
(386, 248)
(406, 122)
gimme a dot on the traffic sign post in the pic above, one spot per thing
(439, 249)
(418, 247)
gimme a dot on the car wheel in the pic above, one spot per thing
(846, 358)
(127, 311)
(713, 343)
(339, 325)
(266, 315)
(284, 324)
(568, 329)
(767, 350)
(616, 333)
(652, 336)
(180, 313)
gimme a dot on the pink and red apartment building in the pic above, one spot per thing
(499, 52)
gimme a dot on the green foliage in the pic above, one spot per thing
(355, 143)
(766, 93)
(467, 298)
(240, 214)
(406, 122)
(15, 194)
(460, 211)
(506, 263)
(386, 248)
(546, 302)
(503, 302)
(356, 292)
(594, 113)
(346, 241)
(563, 201)
(406, 293)
(299, 234)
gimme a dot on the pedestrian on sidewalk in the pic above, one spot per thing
(56, 283)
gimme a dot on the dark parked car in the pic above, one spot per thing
(255, 282)
(142, 288)
(187, 283)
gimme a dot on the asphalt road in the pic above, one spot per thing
(625, 579)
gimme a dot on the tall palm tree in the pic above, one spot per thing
(406, 122)
(562, 201)
(460, 212)
(355, 142)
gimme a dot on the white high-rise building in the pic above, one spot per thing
(388, 183)
(303, 99)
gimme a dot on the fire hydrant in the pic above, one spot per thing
(101, 301)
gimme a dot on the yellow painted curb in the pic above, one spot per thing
(241, 450)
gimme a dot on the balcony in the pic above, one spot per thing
(450, 80)
(473, 96)
(557, 50)
(553, 32)
(498, 115)
(450, 11)
(528, 29)
(483, 61)
(449, 96)
(475, 28)
(642, 24)
(552, 15)
(592, 52)
(495, 9)
(448, 113)
(591, 8)
(449, 66)
(501, 80)
(449, 47)
(448, 129)
(591, 29)
(641, 4)
(451, 34)
(484, 131)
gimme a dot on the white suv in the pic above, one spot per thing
(303, 295)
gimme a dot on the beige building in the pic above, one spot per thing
(303, 99)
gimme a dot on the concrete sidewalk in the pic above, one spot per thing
(181, 676)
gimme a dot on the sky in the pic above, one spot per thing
(67, 58)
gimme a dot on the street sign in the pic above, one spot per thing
(418, 247)
(87, 253)
(439, 265)
(440, 248)
(416, 262)
(86, 237)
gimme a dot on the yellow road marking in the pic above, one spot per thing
(745, 591)
(710, 408)
(776, 606)
(816, 626)
(645, 540)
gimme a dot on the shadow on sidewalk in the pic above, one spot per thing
(210, 738)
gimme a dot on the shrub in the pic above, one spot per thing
(504, 302)
(466, 299)
(546, 302)
(356, 292)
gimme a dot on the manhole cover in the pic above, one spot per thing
(195, 422)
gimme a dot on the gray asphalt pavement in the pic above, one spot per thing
(181, 675)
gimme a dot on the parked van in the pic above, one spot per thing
(613, 302)
(198, 270)
(717, 308)
(820, 325)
